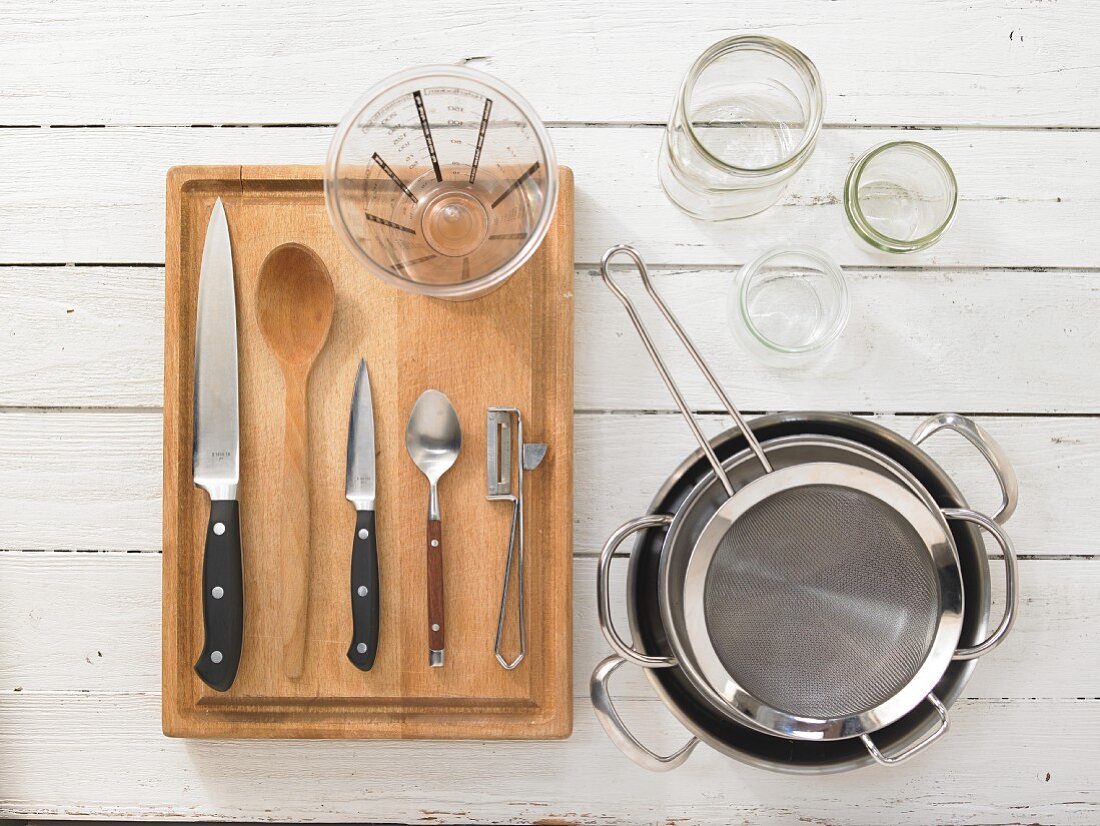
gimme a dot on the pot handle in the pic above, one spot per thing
(616, 729)
(905, 754)
(1012, 582)
(987, 446)
(603, 592)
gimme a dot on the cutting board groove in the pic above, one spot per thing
(512, 347)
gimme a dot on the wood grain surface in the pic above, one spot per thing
(513, 347)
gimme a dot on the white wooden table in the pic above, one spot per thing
(1000, 320)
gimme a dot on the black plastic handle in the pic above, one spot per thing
(222, 597)
(364, 593)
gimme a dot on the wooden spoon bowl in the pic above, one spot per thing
(295, 301)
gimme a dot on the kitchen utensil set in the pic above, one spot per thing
(808, 592)
(296, 301)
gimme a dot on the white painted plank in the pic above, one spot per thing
(54, 498)
(978, 341)
(1028, 198)
(104, 756)
(81, 480)
(64, 328)
(975, 341)
(50, 645)
(987, 62)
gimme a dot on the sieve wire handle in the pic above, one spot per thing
(1012, 582)
(619, 734)
(603, 592)
(987, 446)
(905, 754)
(658, 362)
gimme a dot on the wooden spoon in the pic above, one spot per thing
(295, 302)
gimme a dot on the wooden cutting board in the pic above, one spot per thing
(513, 347)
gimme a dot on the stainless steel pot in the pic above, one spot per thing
(676, 679)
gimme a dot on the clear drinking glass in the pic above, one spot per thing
(442, 180)
(900, 196)
(745, 120)
(789, 304)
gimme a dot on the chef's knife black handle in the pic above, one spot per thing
(364, 593)
(222, 597)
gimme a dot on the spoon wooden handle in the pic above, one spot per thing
(294, 550)
(435, 592)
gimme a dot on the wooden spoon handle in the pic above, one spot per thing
(294, 551)
(435, 592)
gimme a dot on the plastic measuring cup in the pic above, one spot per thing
(442, 180)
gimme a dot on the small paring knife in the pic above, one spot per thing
(360, 490)
(215, 456)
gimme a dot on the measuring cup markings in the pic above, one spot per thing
(480, 138)
(426, 128)
(439, 167)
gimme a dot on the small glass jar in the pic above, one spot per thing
(900, 196)
(745, 120)
(789, 304)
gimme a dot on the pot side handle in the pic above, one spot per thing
(921, 745)
(603, 592)
(987, 446)
(619, 734)
(1012, 582)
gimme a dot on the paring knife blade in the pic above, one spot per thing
(360, 491)
(215, 456)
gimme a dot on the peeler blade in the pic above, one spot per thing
(533, 454)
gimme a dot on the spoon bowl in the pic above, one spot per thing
(433, 436)
(295, 300)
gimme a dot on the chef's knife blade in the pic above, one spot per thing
(215, 456)
(360, 488)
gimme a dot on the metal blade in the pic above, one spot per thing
(215, 456)
(533, 454)
(360, 482)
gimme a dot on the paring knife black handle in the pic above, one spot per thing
(222, 597)
(364, 593)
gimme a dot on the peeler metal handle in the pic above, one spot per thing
(517, 518)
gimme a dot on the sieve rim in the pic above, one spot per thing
(948, 620)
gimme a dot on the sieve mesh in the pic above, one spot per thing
(821, 601)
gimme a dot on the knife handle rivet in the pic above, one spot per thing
(215, 657)
(219, 528)
(362, 590)
(363, 533)
(435, 626)
(216, 592)
(361, 648)
(435, 543)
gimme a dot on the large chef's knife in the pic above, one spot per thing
(215, 456)
(359, 487)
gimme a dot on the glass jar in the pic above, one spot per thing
(745, 120)
(901, 196)
(788, 305)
